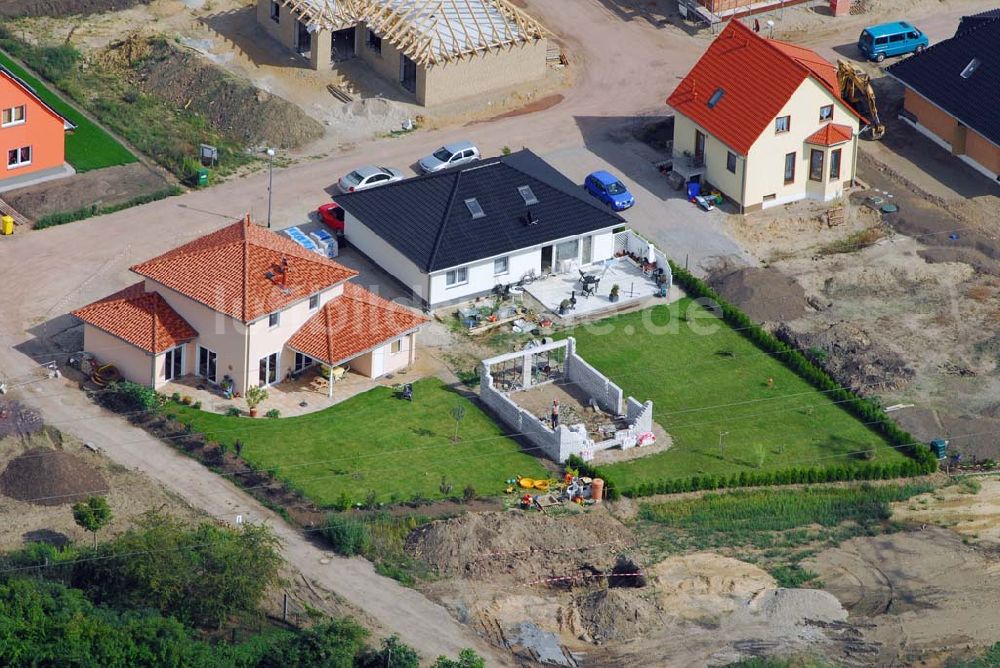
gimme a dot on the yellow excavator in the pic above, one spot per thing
(856, 89)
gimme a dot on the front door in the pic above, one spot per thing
(699, 146)
(207, 364)
(303, 39)
(408, 74)
(546, 260)
(342, 44)
(269, 369)
(173, 363)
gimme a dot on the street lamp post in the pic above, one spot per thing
(270, 182)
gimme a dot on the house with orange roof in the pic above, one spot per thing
(246, 306)
(763, 121)
(32, 135)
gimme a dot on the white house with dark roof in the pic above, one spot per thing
(456, 234)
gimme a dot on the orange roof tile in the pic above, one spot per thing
(141, 318)
(758, 76)
(831, 134)
(227, 271)
(352, 324)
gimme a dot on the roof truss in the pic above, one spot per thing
(469, 26)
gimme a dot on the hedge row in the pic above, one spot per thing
(922, 461)
(54, 219)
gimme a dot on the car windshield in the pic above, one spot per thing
(354, 178)
(616, 188)
(385, 170)
(443, 154)
(866, 38)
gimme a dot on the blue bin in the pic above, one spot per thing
(694, 189)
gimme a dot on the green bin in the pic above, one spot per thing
(202, 177)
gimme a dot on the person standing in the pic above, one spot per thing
(555, 414)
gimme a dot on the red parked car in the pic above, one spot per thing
(332, 216)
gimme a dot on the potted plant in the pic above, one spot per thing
(613, 295)
(256, 395)
(564, 306)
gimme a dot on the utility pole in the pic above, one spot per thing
(722, 443)
(270, 183)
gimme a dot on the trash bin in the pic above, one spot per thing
(202, 177)
(694, 189)
(7, 225)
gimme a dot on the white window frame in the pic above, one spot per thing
(271, 370)
(274, 320)
(208, 354)
(15, 121)
(314, 302)
(302, 362)
(168, 355)
(20, 163)
(506, 266)
(777, 124)
(396, 347)
(828, 117)
(451, 279)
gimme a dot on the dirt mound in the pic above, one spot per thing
(16, 420)
(705, 585)
(766, 295)
(13, 8)
(240, 110)
(50, 478)
(619, 614)
(527, 547)
(853, 358)
(791, 608)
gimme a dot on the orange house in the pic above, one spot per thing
(32, 134)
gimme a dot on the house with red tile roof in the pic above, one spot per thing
(246, 305)
(763, 121)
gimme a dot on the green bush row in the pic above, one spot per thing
(54, 219)
(921, 461)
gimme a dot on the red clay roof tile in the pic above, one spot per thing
(227, 271)
(758, 76)
(352, 324)
(831, 134)
(141, 318)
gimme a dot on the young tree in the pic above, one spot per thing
(92, 515)
(457, 414)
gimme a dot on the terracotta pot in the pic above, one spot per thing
(253, 412)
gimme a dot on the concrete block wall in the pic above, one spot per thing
(608, 395)
(640, 415)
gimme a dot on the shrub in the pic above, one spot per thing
(186, 400)
(233, 411)
(348, 536)
(125, 396)
(175, 397)
(54, 219)
(196, 405)
(469, 494)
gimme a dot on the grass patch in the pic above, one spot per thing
(988, 659)
(856, 241)
(774, 528)
(88, 147)
(380, 538)
(704, 379)
(54, 219)
(375, 447)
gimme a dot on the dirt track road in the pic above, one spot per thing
(625, 69)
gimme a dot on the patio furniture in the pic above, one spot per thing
(319, 384)
(337, 372)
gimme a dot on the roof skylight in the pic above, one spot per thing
(528, 195)
(970, 68)
(716, 96)
(474, 208)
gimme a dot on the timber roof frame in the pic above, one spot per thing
(429, 32)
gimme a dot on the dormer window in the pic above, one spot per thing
(527, 195)
(474, 208)
(313, 302)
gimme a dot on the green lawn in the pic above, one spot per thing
(89, 146)
(704, 378)
(376, 442)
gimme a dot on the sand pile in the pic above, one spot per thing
(50, 478)
(705, 584)
(791, 608)
(619, 614)
(527, 547)
(766, 295)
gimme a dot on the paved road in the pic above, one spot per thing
(624, 69)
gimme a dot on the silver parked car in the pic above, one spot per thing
(449, 155)
(368, 176)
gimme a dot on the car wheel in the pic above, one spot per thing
(920, 48)
(879, 57)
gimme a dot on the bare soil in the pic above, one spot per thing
(15, 8)
(101, 188)
(50, 477)
(765, 295)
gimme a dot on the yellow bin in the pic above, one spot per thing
(7, 225)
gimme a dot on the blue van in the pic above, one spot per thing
(891, 39)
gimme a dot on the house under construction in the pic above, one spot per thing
(437, 50)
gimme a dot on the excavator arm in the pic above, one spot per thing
(856, 89)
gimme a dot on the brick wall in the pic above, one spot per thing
(607, 395)
(929, 116)
(980, 149)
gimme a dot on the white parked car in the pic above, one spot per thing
(449, 155)
(368, 176)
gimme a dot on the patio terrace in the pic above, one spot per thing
(633, 284)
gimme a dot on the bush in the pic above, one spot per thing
(186, 400)
(233, 411)
(175, 397)
(196, 405)
(273, 413)
(348, 536)
(124, 396)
